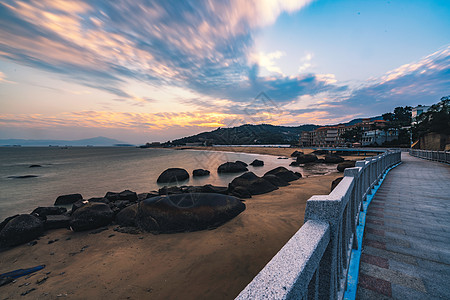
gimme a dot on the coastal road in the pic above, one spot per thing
(406, 246)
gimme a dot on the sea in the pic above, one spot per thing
(93, 171)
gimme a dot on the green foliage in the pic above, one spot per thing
(353, 135)
(436, 119)
(400, 118)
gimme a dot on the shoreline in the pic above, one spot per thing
(216, 263)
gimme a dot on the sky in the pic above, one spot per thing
(141, 71)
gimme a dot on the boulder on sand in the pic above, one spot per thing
(333, 159)
(186, 212)
(68, 199)
(91, 216)
(283, 173)
(275, 180)
(296, 153)
(126, 217)
(345, 164)
(306, 158)
(257, 163)
(56, 221)
(231, 167)
(43, 212)
(200, 172)
(173, 175)
(21, 229)
(254, 184)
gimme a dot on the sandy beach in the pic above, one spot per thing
(212, 264)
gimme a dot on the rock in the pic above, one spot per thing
(231, 167)
(128, 229)
(77, 205)
(306, 158)
(320, 160)
(127, 216)
(208, 188)
(169, 190)
(35, 166)
(241, 163)
(241, 192)
(56, 221)
(333, 159)
(257, 163)
(200, 172)
(284, 174)
(23, 176)
(21, 229)
(294, 164)
(68, 199)
(43, 212)
(128, 195)
(275, 180)
(112, 196)
(99, 199)
(282, 158)
(346, 164)
(252, 183)
(120, 204)
(5, 221)
(143, 196)
(335, 183)
(191, 189)
(91, 216)
(186, 212)
(173, 175)
(296, 153)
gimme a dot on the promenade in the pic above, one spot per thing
(406, 246)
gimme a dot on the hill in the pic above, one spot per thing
(247, 134)
(97, 141)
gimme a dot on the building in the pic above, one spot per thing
(417, 111)
(307, 138)
(378, 137)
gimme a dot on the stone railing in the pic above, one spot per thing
(313, 264)
(441, 156)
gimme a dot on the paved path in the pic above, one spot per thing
(406, 246)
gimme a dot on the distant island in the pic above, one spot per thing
(96, 141)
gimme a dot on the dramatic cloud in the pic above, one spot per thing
(201, 45)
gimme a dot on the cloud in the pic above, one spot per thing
(200, 45)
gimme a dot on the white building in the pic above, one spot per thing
(378, 137)
(417, 111)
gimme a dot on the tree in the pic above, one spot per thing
(352, 135)
(436, 119)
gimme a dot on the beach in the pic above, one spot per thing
(211, 264)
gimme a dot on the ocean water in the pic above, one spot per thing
(93, 171)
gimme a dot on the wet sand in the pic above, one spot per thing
(212, 264)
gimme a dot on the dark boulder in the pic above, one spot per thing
(333, 159)
(257, 163)
(112, 196)
(231, 167)
(239, 162)
(143, 196)
(294, 164)
(169, 190)
(335, 183)
(200, 172)
(56, 221)
(186, 212)
(5, 221)
(68, 199)
(173, 175)
(296, 153)
(120, 204)
(283, 173)
(320, 152)
(99, 199)
(208, 188)
(23, 176)
(127, 216)
(43, 212)
(346, 164)
(77, 205)
(35, 166)
(252, 183)
(21, 229)
(275, 180)
(91, 216)
(241, 192)
(128, 195)
(306, 158)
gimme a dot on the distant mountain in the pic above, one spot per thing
(356, 121)
(263, 134)
(97, 141)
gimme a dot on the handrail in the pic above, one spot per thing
(440, 156)
(313, 264)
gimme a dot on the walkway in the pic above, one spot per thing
(406, 246)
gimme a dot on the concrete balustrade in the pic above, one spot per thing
(441, 156)
(314, 262)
